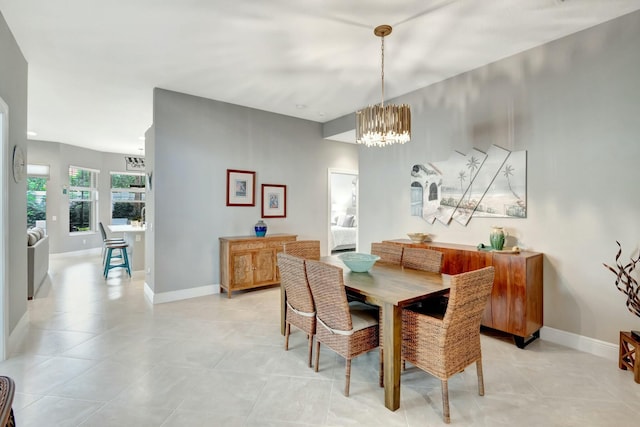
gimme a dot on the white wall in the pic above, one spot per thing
(195, 141)
(574, 106)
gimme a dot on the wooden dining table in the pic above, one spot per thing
(390, 287)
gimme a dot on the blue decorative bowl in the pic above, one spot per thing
(358, 262)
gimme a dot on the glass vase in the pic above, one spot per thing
(260, 228)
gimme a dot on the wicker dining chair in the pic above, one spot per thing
(445, 346)
(416, 258)
(307, 249)
(425, 260)
(301, 311)
(348, 329)
(7, 392)
(422, 259)
(388, 252)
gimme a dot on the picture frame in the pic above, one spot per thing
(241, 188)
(274, 201)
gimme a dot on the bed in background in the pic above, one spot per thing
(343, 233)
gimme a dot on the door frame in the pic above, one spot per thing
(4, 229)
(332, 171)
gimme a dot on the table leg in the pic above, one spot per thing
(392, 326)
(283, 308)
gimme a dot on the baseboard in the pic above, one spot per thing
(581, 343)
(18, 334)
(162, 297)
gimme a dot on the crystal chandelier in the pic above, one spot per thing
(380, 125)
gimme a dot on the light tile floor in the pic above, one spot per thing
(97, 353)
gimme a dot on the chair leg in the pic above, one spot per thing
(310, 348)
(107, 262)
(445, 401)
(317, 355)
(381, 371)
(287, 331)
(348, 378)
(480, 377)
(126, 260)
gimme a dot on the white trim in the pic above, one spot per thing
(38, 171)
(4, 231)
(85, 168)
(160, 298)
(580, 343)
(18, 334)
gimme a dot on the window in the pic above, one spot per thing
(82, 199)
(36, 200)
(127, 197)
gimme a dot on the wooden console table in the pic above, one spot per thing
(515, 306)
(249, 262)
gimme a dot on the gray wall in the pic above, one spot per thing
(575, 104)
(59, 157)
(13, 90)
(195, 141)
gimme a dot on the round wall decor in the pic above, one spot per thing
(19, 164)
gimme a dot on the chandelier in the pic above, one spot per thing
(380, 125)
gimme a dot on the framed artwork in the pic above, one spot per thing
(241, 188)
(274, 201)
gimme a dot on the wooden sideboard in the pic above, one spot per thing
(515, 306)
(249, 262)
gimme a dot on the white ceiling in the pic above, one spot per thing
(93, 64)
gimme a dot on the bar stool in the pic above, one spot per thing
(106, 240)
(122, 247)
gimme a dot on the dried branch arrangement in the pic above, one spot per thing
(625, 282)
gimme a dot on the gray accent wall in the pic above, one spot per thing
(13, 90)
(574, 105)
(195, 140)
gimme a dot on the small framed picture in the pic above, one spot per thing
(241, 188)
(274, 201)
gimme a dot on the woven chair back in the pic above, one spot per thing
(388, 252)
(327, 288)
(294, 279)
(422, 259)
(467, 301)
(307, 249)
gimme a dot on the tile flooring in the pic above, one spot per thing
(97, 353)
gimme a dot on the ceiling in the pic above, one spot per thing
(93, 64)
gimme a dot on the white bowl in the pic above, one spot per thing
(358, 262)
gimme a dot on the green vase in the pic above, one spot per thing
(496, 237)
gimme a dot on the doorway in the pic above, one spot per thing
(4, 262)
(343, 211)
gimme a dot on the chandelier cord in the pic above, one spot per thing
(382, 73)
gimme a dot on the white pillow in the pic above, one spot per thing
(347, 221)
(39, 231)
(32, 238)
